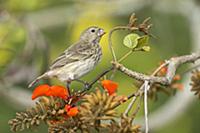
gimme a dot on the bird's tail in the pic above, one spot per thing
(36, 80)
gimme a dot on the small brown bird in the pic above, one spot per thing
(78, 59)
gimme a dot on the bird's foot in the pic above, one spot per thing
(86, 84)
(68, 88)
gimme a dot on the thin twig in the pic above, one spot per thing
(142, 88)
(146, 88)
(110, 42)
(125, 56)
(190, 69)
(120, 60)
(110, 38)
(138, 105)
(130, 105)
(174, 64)
(87, 87)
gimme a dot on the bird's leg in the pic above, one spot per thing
(86, 84)
(68, 87)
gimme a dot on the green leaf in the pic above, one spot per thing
(143, 40)
(131, 40)
(146, 48)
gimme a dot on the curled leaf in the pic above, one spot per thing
(131, 40)
(134, 41)
(143, 40)
(146, 48)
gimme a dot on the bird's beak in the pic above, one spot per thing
(101, 32)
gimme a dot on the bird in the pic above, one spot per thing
(77, 60)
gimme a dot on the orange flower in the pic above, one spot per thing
(163, 70)
(68, 107)
(178, 86)
(46, 90)
(71, 111)
(177, 77)
(110, 86)
(59, 91)
(40, 91)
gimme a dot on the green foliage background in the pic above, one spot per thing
(172, 32)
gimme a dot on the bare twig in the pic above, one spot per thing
(190, 69)
(111, 46)
(138, 105)
(132, 103)
(132, 26)
(172, 67)
(125, 56)
(89, 86)
(146, 88)
(174, 63)
(140, 91)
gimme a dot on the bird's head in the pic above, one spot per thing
(92, 34)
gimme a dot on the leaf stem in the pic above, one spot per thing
(125, 56)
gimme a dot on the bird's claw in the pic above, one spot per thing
(87, 85)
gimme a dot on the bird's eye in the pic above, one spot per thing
(93, 30)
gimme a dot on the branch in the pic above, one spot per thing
(174, 64)
(140, 90)
(88, 86)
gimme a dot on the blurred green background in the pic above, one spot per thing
(34, 32)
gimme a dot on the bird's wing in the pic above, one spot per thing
(74, 53)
